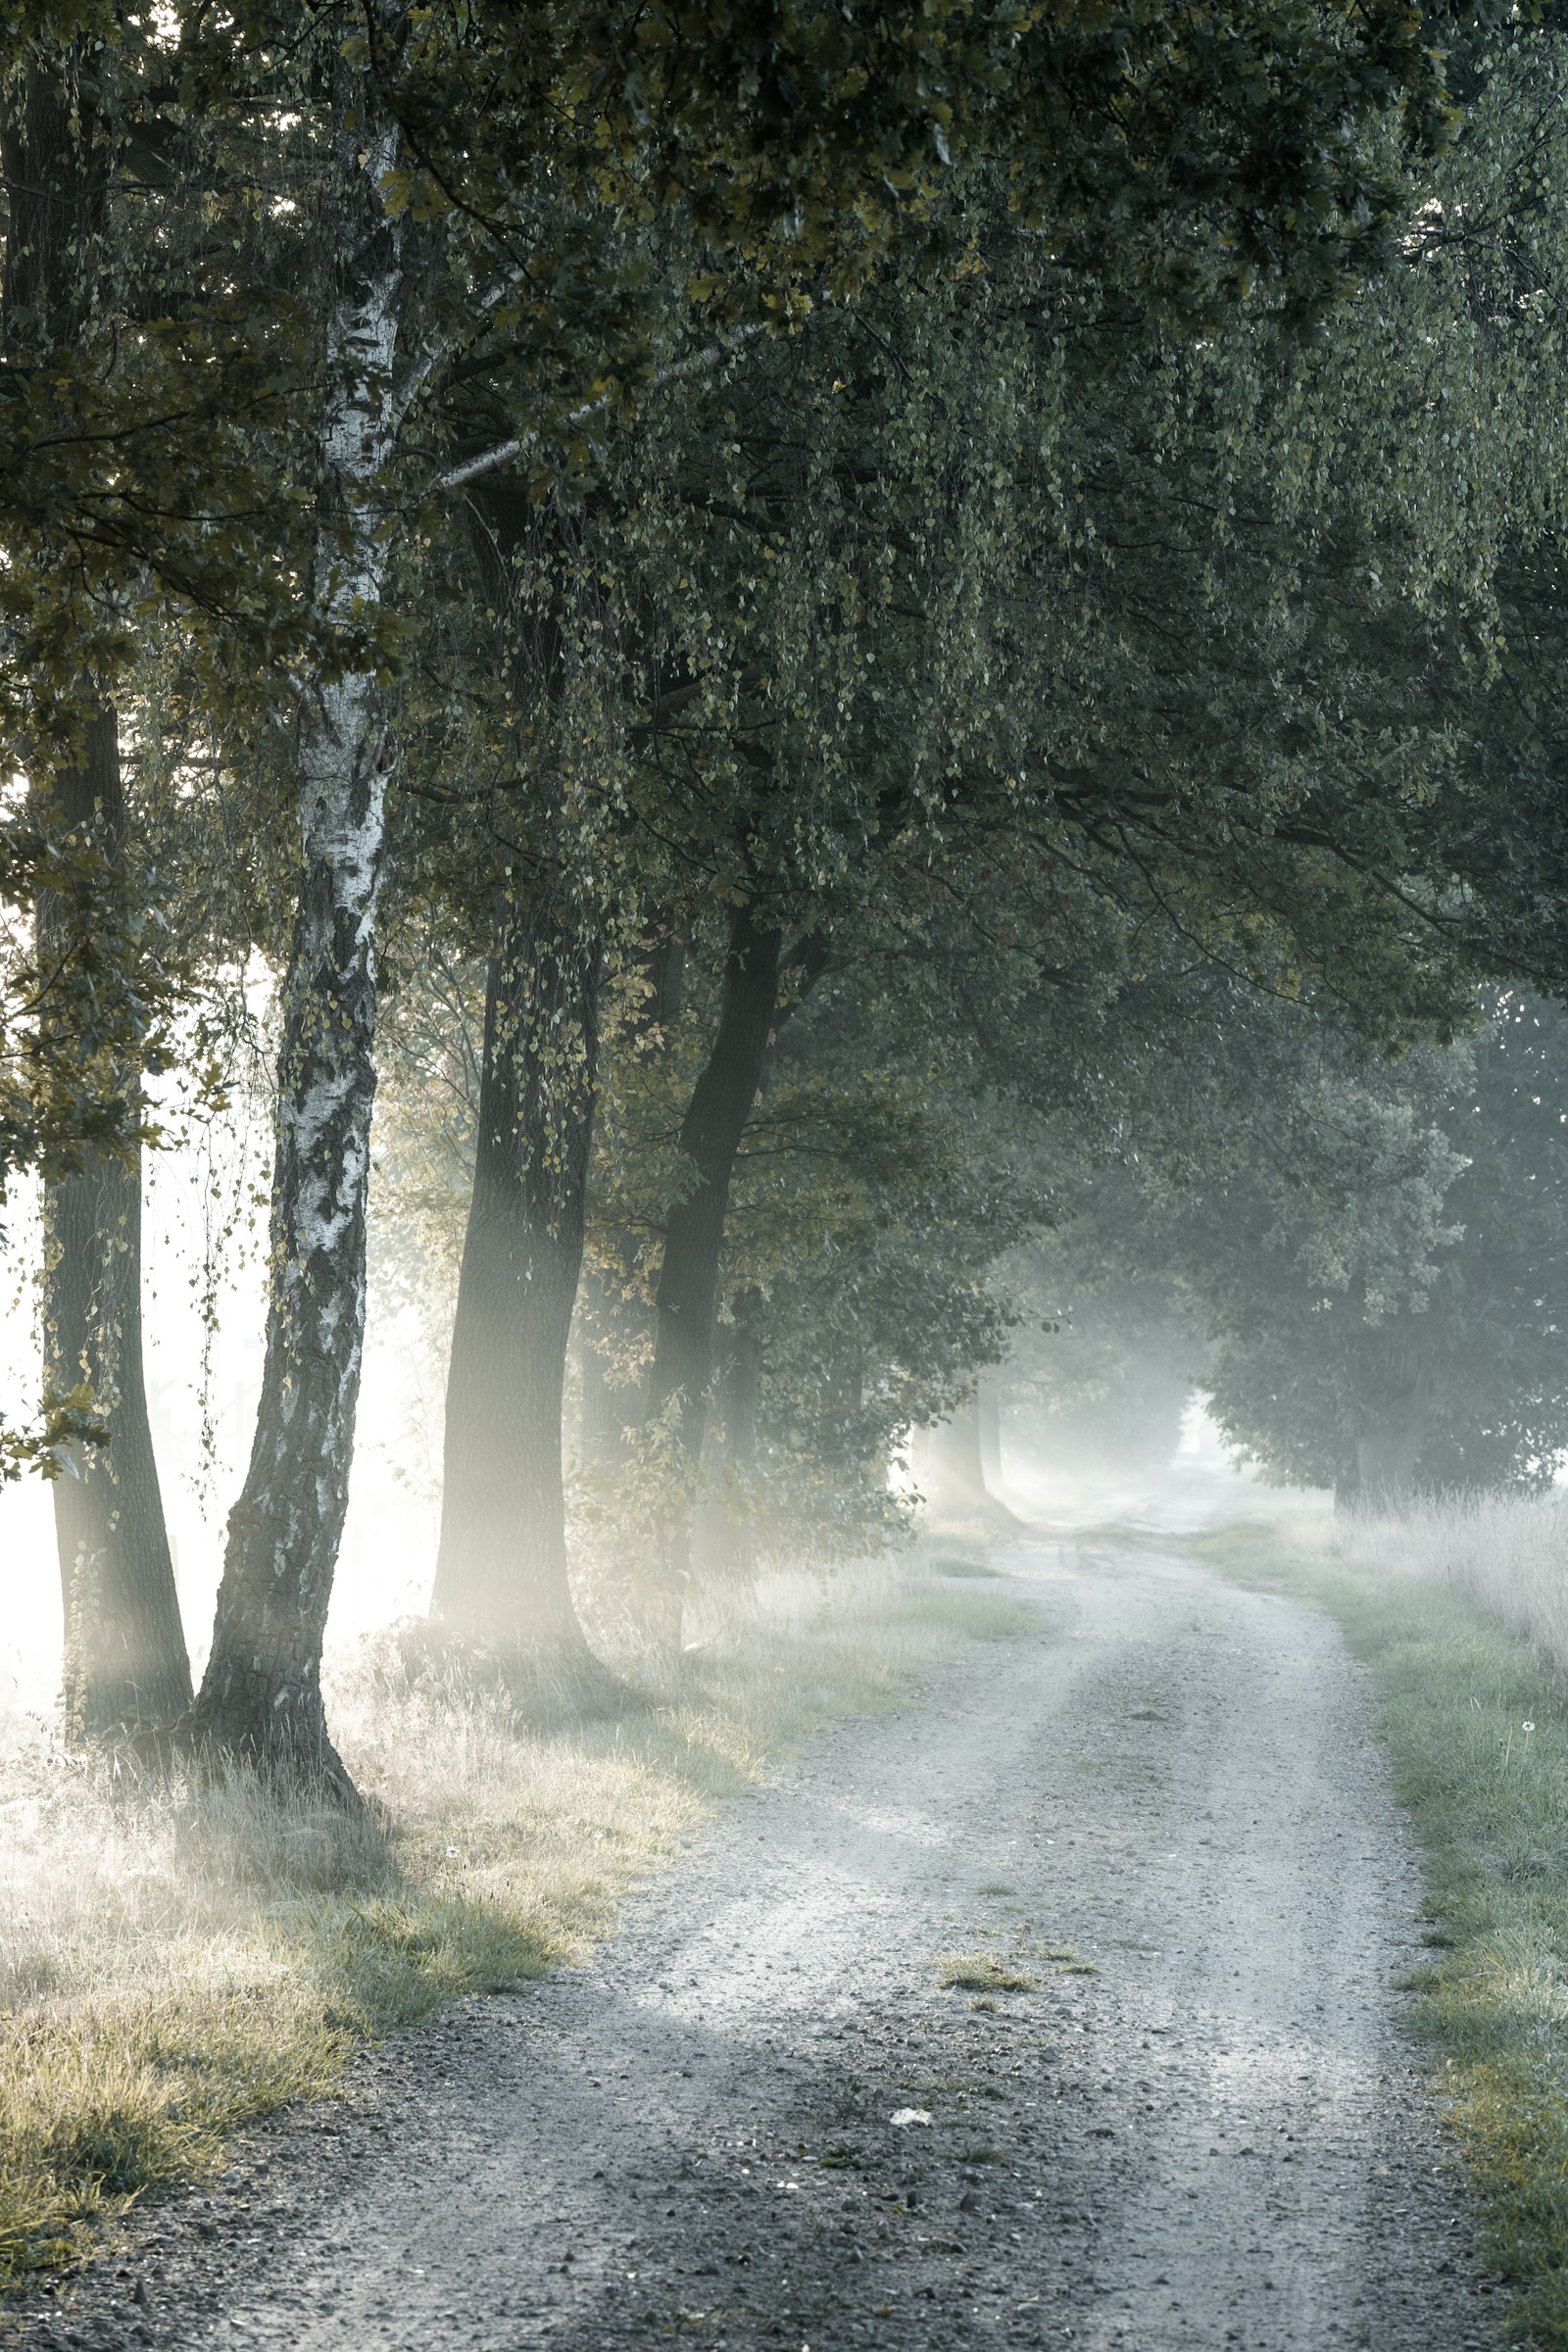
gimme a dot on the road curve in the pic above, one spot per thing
(1159, 1837)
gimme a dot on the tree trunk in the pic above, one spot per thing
(262, 1694)
(614, 1327)
(727, 1545)
(125, 1662)
(502, 1574)
(741, 1392)
(687, 1293)
(988, 1412)
(953, 1466)
(612, 1405)
(1385, 1455)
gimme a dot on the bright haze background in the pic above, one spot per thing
(203, 1411)
(389, 1543)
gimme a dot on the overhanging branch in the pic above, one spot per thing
(698, 362)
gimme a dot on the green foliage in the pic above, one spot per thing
(1205, 161)
(1049, 511)
(1381, 1249)
(75, 1016)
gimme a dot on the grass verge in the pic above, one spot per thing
(177, 1963)
(1478, 1729)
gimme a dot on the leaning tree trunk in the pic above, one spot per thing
(500, 1572)
(262, 1694)
(125, 1662)
(687, 1293)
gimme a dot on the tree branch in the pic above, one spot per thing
(699, 363)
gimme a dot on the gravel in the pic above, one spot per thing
(1172, 2109)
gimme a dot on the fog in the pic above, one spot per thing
(204, 1308)
(1198, 1487)
(204, 1311)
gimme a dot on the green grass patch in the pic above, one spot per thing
(964, 1564)
(1479, 1737)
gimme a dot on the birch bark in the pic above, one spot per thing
(261, 1695)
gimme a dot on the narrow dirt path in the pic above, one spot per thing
(1181, 2116)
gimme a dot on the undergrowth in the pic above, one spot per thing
(176, 1961)
(1476, 1722)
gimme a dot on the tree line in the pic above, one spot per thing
(842, 671)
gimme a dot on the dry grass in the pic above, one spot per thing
(176, 1961)
(979, 1971)
(1508, 1556)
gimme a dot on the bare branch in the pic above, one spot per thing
(699, 363)
(445, 347)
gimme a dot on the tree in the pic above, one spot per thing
(501, 1570)
(1380, 1252)
(876, 1191)
(124, 1651)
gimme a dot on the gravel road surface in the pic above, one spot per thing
(1058, 2008)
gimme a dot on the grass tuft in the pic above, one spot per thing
(982, 1974)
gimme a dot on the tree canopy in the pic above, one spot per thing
(868, 700)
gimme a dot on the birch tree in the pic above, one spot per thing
(260, 1693)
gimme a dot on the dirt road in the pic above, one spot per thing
(1170, 2107)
